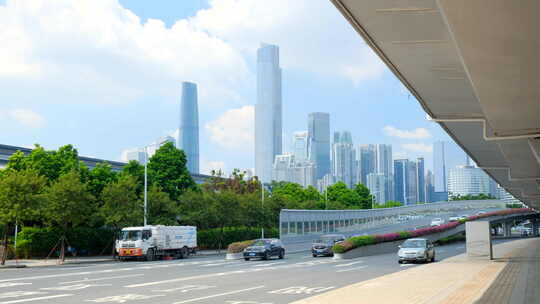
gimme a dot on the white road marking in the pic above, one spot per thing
(214, 264)
(17, 294)
(349, 264)
(301, 290)
(36, 299)
(219, 295)
(74, 287)
(185, 288)
(351, 269)
(123, 298)
(268, 265)
(13, 284)
(98, 279)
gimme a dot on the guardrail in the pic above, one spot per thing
(302, 225)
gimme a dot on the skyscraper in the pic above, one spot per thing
(446, 155)
(268, 129)
(420, 180)
(467, 180)
(188, 135)
(412, 194)
(384, 167)
(319, 142)
(343, 159)
(365, 162)
(401, 177)
(300, 145)
(376, 182)
(429, 187)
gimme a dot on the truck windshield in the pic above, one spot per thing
(130, 235)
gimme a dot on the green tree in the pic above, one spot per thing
(162, 210)
(366, 198)
(389, 204)
(339, 192)
(99, 177)
(135, 170)
(121, 204)
(20, 198)
(69, 204)
(167, 169)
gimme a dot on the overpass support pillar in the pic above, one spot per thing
(507, 227)
(535, 227)
(478, 234)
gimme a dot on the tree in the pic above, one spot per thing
(366, 198)
(339, 192)
(224, 209)
(135, 170)
(471, 197)
(20, 198)
(99, 177)
(167, 169)
(121, 204)
(69, 204)
(162, 210)
(389, 204)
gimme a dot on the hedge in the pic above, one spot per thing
(238, 247)
(210, 238)
(38, 242)
(364, 240)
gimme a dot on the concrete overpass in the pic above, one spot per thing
(473, 66)
(6, 151)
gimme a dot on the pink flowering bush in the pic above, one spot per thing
(355, 242)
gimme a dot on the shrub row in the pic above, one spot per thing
(210, 238)
(364, 240)
(238, 247)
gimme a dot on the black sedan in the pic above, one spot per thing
(264, 249)
(323, 246)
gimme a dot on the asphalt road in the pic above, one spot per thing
(197, 280)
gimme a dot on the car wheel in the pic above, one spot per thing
(282, 254)
(314, 255)
(400, 262)
(246, 259)
(266, 256)
(433, 258)
(150, 255)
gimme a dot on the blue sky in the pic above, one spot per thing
(105, 75)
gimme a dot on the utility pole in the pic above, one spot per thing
(145, 184)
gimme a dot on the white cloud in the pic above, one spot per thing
(418, 133)
(25, 117)
(234, 129)
(418, 147)
(313, 36)
(97, 51)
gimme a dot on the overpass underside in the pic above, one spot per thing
(473, 66)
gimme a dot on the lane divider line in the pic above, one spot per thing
(349, 264)
(219, 295)
(351, 269)
(102, 279)
(36, 299)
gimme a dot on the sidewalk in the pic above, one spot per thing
(454, 280)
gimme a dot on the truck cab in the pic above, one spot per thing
(134, 242)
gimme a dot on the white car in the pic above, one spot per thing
(437, 222)
(413, 250)
(463, 216)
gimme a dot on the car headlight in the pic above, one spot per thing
(421, 253)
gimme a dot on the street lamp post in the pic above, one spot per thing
(145, 184)
(262, 209)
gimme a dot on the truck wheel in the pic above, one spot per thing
(150, 255)
(183, 253)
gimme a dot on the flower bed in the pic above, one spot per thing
(364, 240)
(238, 247)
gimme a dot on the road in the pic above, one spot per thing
(197, 279)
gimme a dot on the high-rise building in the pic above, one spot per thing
(446, 155)
(365, 162)
(188, 135)
(429, 187)
(268, 116)
(412, 194)
(377, 183)
(343, 159)
(135, 154)
(467, 180)
(283, 168)
(401, 177)
(319, 142)
(304, 173)
(384, 166)
(300, 146)
(153, 147)
(420, 180)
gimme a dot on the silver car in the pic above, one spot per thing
(416, 250)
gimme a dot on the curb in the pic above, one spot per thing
(13, 266)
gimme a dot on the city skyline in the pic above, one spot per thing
(139, 101)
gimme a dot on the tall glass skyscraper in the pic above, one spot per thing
(384, 167)
(420, 180)
(268, 129)
(446, 156)
(188, 136)
(319, 142)
(343, 158)
(300, 146)
(366, 162)
(401, 177)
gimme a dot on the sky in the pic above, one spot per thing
(104, 75)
